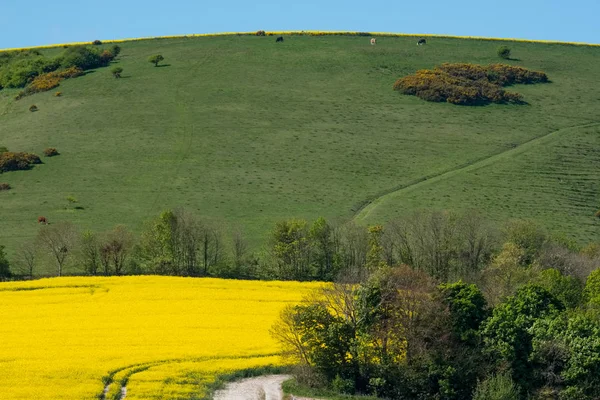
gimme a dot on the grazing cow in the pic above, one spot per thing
(279, 39)
(421, 41)
(42, 220)
(373, 41)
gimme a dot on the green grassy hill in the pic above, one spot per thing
(248, 132)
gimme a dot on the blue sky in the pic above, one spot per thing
(35, 22)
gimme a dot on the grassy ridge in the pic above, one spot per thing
(248, 132)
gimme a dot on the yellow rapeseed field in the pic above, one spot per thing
(64, 338)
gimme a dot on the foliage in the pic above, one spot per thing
(506, 333)
(261, 33)
(116, 72)
(468, 84)
(468, 309)
(51, 152)
(33, 107)
(4, 187)
(567, 289)
(497, 387)
(11, 161)
(155, 59)
(566, 355)
(83, 57)
(97, 42)
(592, 287)
(4, 265)
(503, 52)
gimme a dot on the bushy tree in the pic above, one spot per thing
(506, 333)
(503, 52)
(565, 288)
(155, 59)
(116, 72)
(4, 265)
(565, 356)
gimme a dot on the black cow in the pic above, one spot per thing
(421, 41)
(279, 39)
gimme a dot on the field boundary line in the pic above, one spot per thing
(367, 206)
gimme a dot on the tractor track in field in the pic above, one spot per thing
(184, 107)
(130, 370)
(367, 206)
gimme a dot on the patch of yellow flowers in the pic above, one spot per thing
(167, 337)
(311, 33)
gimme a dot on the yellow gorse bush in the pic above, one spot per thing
(64, 338)
(311, 33)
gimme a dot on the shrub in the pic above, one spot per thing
(3, 149)
(97, 42)
(496, 387)
(261, 33)
(115, 50)
(468, 84)
(10, 161)
(49, 81)
(42, 220)
(82, 57)
(4, 186)
(33, 108)
(57, 94)
(106, 57)
(117, 71)
(51, 152)
(503, 52)
(155, 59)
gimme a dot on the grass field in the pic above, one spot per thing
(167, 338)
(248, 132)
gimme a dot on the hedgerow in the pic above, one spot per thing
(11, 161)
(468, 84)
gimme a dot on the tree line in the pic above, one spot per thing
(445, 245)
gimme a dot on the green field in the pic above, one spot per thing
(247, 132)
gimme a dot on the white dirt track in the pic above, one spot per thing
(266, 387)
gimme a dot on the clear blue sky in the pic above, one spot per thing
(36, 22)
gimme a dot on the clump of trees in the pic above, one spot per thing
(468, 84)
(35, 72)
(400, 333)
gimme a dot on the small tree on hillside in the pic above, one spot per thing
(59, 239)
(117, 71)
(504, 52)
(4, 265)
(155, 59)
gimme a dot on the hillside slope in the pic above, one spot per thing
(248, 132)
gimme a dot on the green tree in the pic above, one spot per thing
(375, 252)
(506, 333)
(503, 52)
(4, 265)
(592, 287)
(320, 235)
(155, 59)
(291, 249)
(116, 72)
(566, 357)
(565, 288)
(468, 309)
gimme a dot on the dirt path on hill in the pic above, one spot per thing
(369, 205)
(266, 387)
